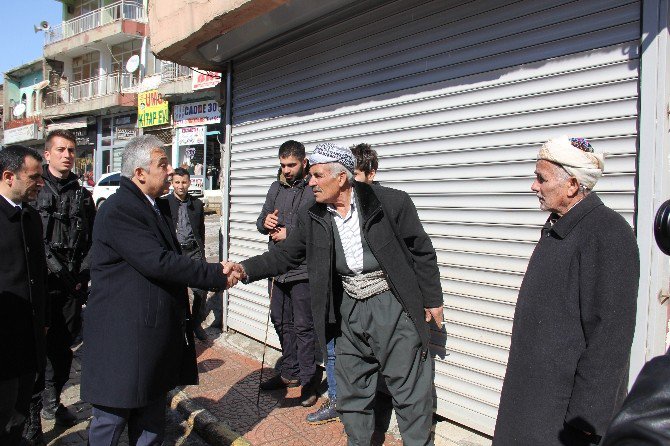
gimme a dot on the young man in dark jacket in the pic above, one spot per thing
(373, 269)
(290, 302)
(67, 213)
(22, 288)
(188, 217)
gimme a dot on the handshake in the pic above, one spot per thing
(234, 272)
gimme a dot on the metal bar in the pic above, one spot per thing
(225, 186)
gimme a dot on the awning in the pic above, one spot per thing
(69, 124)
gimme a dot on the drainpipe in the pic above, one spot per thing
(224, 238)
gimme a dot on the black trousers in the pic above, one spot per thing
(291, 313)
(146, 425)
(14, 401)
(65, 325)
(199, 309)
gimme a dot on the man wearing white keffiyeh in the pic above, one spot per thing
(575, 314)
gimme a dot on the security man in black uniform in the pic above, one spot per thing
(67, 213)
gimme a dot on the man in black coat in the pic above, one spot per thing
(372, 268)
(567, 372)
(188, 218)
(139, 337)
(290, 301)
(22, 288)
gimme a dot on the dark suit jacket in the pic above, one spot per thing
(135, 329)
(22, 291)
(196, 215)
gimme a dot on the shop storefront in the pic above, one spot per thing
(29, 134)
(196, 144)
(115, 133)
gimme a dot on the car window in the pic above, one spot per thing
(104, 182)
(114, 180)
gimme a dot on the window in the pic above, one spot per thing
(33, 102)
(86, 66)
(124, 51)
(82, 7)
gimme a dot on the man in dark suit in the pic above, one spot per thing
(188, 217)
(22, 288)
(139, 338)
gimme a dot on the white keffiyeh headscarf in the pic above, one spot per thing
(576, 156)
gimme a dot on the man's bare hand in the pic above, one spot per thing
(234, 271)
(278, 234)
(435, 314)
(271, 220)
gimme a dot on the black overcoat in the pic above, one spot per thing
(196, 216)
(388, 217)
(135, 324)
(22, 291)
(573, 330)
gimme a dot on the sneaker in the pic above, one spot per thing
(325, 414)
(279, 382)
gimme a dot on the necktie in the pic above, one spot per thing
(158, 211)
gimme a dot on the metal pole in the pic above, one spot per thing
(225, 187)
(265, 344)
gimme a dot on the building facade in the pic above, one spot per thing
(456, 97)
(99, 79)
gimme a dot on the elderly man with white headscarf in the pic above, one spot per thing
(567, 372)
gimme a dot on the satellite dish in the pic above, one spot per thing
(133, 64)
(19, 110)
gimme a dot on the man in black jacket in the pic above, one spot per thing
(22, 288)
(138, 334)
(67, 212)
(290, 302)
(188, 217)
(373, 268)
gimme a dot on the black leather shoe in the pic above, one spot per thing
(325, 414)
(279, 382)
(62, 416)
(200, 333)
(308, 394)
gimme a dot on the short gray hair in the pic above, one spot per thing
(336, 168)
(137, 153)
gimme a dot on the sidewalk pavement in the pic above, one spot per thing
(222, 409)
(178, 432)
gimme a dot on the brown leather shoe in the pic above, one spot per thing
(279, 382)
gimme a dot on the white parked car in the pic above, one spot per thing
(108, 184)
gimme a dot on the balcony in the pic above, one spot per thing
(175, 79)
(91, 94)
(122, 17)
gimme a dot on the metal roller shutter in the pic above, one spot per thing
(456, 97)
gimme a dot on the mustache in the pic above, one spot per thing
(316, 189)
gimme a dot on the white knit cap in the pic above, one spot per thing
(576, 156)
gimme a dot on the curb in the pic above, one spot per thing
(206, 425)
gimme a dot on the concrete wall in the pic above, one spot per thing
(179, 26)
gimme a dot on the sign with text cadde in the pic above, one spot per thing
(191, 136)
(204, 79)
(196, 113)
(151, 109)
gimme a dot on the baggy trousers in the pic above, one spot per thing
(146, 425)
(378, 336)
(291, 313)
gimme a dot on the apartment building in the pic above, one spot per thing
(23, 101)
(102, 82)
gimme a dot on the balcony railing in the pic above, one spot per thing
(94, 87)
(121, 10)
(171, 71)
